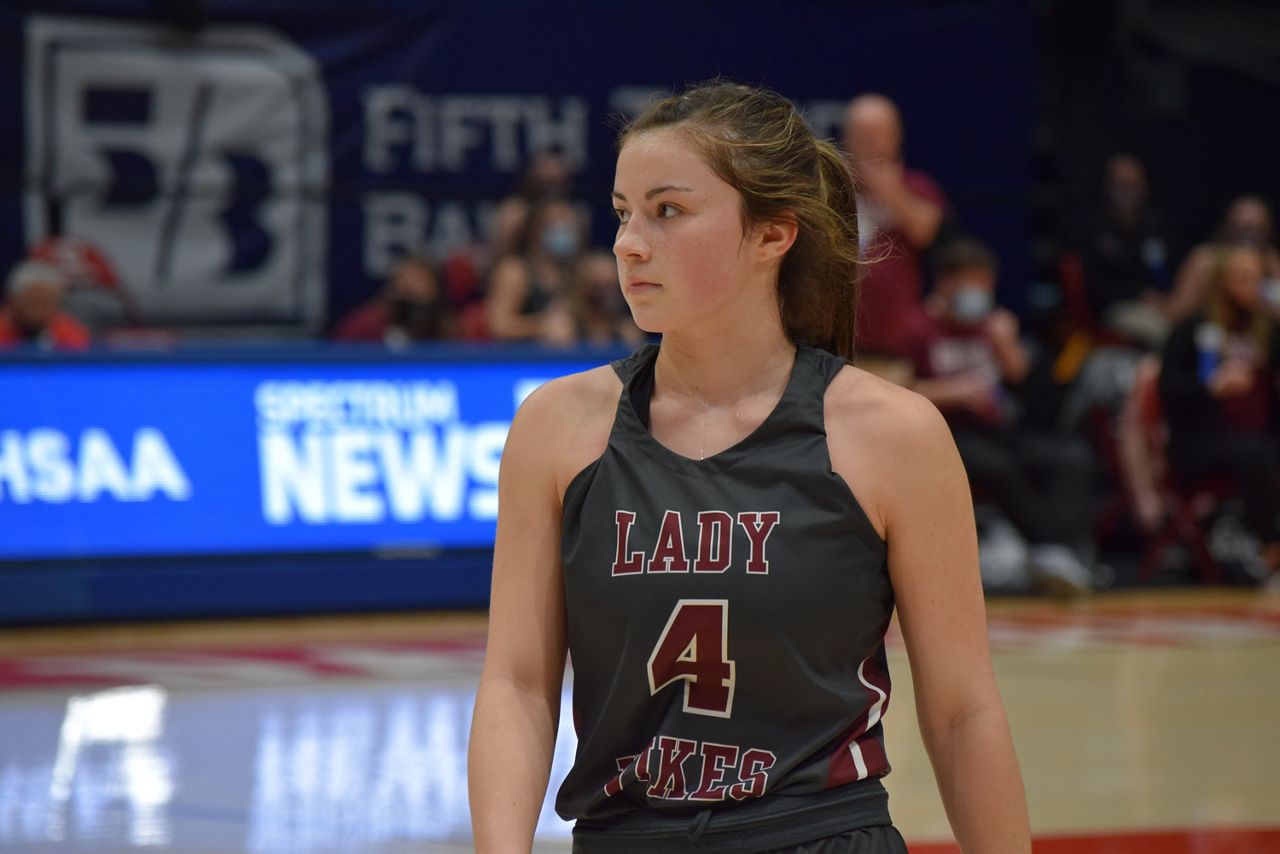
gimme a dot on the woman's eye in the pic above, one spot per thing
(623, 215)
(666, 210)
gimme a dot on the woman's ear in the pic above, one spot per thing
(776, 236)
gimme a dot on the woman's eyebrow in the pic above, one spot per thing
(656, 190)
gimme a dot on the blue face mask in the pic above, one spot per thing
(560, 241)
(970, 305)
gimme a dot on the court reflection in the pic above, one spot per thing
(370, 768)
(111, 774)
(327, 766)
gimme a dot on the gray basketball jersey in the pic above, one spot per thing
(726, 616)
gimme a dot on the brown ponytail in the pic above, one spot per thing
(756, 142)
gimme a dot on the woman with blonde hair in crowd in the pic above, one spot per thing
(1220, 389)
(1248, 223)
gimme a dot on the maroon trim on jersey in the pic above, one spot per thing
(861, 751)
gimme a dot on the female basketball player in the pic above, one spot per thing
(717, 530)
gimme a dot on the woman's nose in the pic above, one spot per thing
(630, 244)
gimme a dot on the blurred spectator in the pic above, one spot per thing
(900, 212)
(1125, 259)
(1220, 388)
(32, 312)
(1248, 222)
(525, 286)
(546, 176)
(596, 305)
(94, 294)
(966, 352)
(410, 308)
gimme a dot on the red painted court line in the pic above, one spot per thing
(1192, 841)
(314, 660)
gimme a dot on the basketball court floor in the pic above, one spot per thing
(1145, 722)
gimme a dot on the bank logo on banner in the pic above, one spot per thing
(198, 163)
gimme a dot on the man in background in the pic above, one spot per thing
(900, 212)
(32, 312)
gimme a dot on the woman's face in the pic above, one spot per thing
(680, 244)
(1248, 223)
(1242, 275)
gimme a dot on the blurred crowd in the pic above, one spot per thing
(1131, 405)
(535, 278)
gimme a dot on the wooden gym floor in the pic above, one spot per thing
(1145, 722)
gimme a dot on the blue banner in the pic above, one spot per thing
(255, 456)
(263, 163)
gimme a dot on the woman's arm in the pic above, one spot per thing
(895, 451)
(1006, 344)
(518, 705)
(508, 286)
(933, 563)
(1190, 283)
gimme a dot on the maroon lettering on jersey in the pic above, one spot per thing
(625, 562)
(715, 541)
(669, 783)
(753, 774)
(668, 552)
(717, 760)
(758, 527)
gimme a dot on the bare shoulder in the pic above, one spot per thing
(1200, 258)
(879, 435)
(861, 402)
(565, 423)
(510, 271)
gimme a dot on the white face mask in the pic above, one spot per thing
(1271, 293)
(560, 241)
(970, 304)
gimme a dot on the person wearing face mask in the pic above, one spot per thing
(410, 308)
(968, 357)
(596, 305)
(1125, 259)
(528, 288)
(1248, 222)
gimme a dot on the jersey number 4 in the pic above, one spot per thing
(694, 647)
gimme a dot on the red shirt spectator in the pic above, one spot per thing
(900, 212)
(943, 348)
(32, 313)
(410, 309)
(893, 285)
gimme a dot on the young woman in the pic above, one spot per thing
(717, 529)
(1220, 388)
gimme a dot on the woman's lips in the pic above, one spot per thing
(641, 287)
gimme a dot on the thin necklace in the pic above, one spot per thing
(706, 416)
(702, 447)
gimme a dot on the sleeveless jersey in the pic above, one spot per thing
(726, 622)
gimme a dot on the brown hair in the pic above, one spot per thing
(966, 253)
(755, 141)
